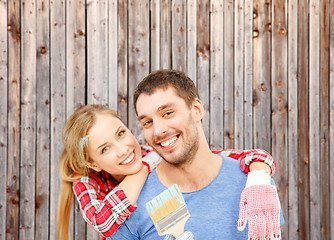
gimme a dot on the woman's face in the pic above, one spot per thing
(113, 148)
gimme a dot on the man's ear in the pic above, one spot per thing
(198, 109)
(93, 165)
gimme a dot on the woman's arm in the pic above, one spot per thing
(255, 159)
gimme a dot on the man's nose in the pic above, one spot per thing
(159, 128)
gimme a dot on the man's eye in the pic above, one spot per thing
(105, 149)
(167, 114)
(147, 123)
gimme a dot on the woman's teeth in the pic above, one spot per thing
(129, 159)
(168, 142)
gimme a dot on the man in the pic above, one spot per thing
(170, 113)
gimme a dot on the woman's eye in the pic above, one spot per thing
(121, 133)
(105, 149)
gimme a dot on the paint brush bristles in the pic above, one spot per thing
(168, 211)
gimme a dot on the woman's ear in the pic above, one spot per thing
(198, 109)
(93, 165)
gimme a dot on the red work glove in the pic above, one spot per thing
(260, 206)
(151, 159)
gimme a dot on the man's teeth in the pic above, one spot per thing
(129, 159)
(168, 142)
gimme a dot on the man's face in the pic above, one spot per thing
(169, 125)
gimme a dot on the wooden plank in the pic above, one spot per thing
(58, 104)
(279, 113)
(75, 55)
(179, 23)
(155, 7)
(248, 75)
(28, 120)
(217, 76)
(97, 63)
(113, 51)
(122, 67)
(314, 119)
(228, 75)
(303, 121)
(3, 114)
(324, 123)
(203, 63)
(75, 83)
(261, 75)
(292, 74)
(166, 34)
(43, 122)
(331, 114)
(97, 58)
(13, 139)
(138, 55)
(238, 74)
(191, 39)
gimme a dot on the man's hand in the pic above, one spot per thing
(259, 205)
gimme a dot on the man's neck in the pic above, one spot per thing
(192, 176)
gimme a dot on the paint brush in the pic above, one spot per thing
(169, 212)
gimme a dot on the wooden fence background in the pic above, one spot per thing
(264, 69)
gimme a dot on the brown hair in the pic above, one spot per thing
(72, 164)
(162, 79)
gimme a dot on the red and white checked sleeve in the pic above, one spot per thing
(246, 157)
(103, 205)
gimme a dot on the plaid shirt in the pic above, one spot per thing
(105, 207)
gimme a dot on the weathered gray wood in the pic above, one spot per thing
(166, 34)
(58, 104)
(217, 75)
(122, 68)
(113, 51)
(138, 55)
(279, 99)
(228, 75)
(155, 7)
(75, 55)
(203, 64)
(97, 57)
(324, 123)
(248, 75)
(97, 64)
(75, 83)
(238, 74)
(28, 120)
(261, 74)
(43, 122)
(191, 39)
(303, 121)
(314, 119)
(331, 114)
(13, 138)
(292, 74)
(179, 35)
(3, 114)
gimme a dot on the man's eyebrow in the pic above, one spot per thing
(161, 108)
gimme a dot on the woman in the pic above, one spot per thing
(102, 166)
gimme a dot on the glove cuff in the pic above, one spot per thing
(258, 177)
(148, 166)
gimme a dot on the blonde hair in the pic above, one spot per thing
(72, 164)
